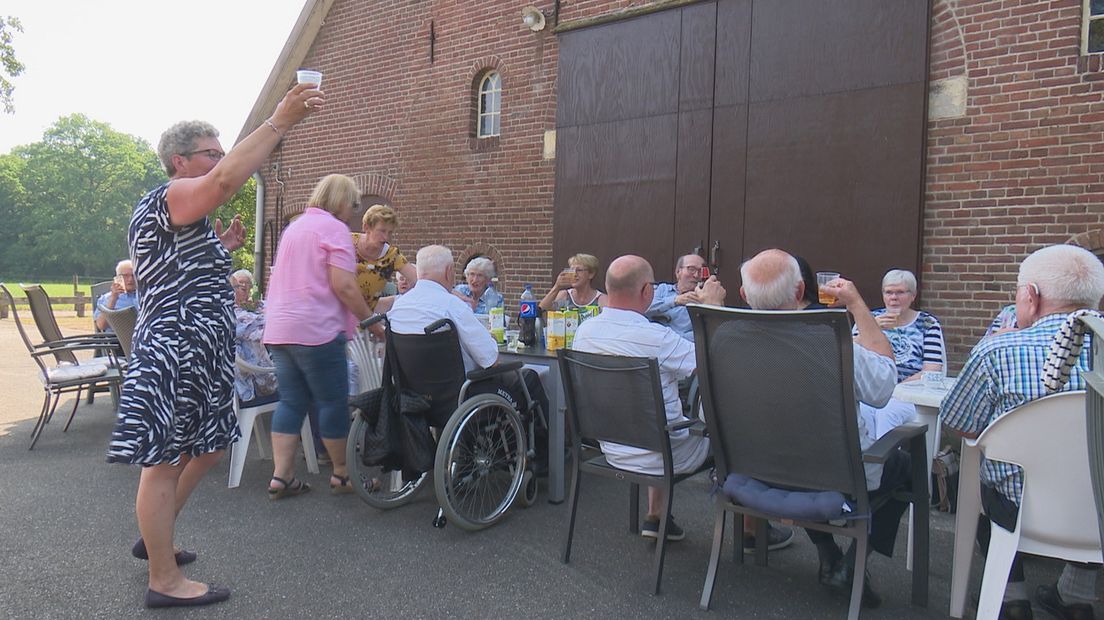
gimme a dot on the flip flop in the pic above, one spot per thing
(182, 557)
(214, 594)
(291, 488)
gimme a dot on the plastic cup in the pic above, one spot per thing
(512, 338)
(824, 277)
(933, 378)
(309, 76)
(498, 334)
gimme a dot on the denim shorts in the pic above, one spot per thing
(309, 375)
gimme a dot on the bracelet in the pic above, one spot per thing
(269, 123)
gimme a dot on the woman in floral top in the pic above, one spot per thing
(378, 260)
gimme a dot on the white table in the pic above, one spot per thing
(927, 399)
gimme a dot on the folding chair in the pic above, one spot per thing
(68, 374)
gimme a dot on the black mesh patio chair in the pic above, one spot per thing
(42, 311)
(619, 400)
(122, 323)
(1094, 413)
(64, 376)
(779, 401)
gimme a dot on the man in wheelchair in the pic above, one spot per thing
(425, 304)
(491, 427)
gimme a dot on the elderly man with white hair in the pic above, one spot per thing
(772, 281)
(431, 300)
(1005, 372)
(123, 294)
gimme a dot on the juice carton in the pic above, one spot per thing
(571, 323)
(556, 330)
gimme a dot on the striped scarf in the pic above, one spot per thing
(1065, 350)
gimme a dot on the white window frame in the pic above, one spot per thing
(491, 87)
(1087, 18)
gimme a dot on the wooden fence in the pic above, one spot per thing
(78, 301)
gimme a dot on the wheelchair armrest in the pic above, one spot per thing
(372, 320)
(880, 451)
(697, 427)
(498, 369)
(438, 324)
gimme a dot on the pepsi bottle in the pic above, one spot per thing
(527, 317)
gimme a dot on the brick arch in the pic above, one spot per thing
(483, 249)
(372, 183)
(948, 44)
(1091, 240)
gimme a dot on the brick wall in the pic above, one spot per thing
(1019, 167)
(1023, 167)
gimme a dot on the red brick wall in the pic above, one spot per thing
(1020, 169)
(1024, 166)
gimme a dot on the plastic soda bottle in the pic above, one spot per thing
(527, 317)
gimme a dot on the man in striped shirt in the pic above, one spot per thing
(1004, 372)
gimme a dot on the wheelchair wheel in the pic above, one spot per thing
(378, 488)
(528, 494)
(480, 462)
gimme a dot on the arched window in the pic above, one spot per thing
(490, 105)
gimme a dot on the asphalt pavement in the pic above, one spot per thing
(68, 525)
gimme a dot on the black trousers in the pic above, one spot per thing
(1005, 513)
(886, 520)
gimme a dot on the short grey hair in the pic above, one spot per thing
(1065, 273)
(776, 294)
(433, 260)
(242, 273)
(126, 262)
(900, 276)
(481, 264)
(180, 139)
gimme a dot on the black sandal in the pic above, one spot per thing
(291, 488)
(343, 486)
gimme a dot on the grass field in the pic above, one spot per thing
(54, 289)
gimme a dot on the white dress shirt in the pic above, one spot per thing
(427, 302)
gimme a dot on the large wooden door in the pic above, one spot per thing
(743, 125)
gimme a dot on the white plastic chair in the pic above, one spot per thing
(1057, 519)
(367, 356)
(248, 418)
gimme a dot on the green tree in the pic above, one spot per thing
(12, 199)
(244, 203)
(11, 67)
(81, 183)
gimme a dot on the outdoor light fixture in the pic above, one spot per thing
(533, 18)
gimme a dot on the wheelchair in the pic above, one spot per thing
(484, 455)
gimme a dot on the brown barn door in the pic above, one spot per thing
(835, 134)
(634, 125)
(742, 125)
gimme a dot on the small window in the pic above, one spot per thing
(490, 105)
(1092, 29)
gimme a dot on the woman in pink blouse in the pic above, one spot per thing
(311, 309)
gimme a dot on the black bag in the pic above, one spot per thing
(945, 481)
(418, 447)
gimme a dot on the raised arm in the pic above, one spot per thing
(192, 199)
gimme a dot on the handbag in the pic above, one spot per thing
(945, 481)
(382, 444)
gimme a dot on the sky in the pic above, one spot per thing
(142, 65)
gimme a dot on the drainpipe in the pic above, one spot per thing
(258, 233)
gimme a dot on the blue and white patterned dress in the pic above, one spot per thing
(177, 397)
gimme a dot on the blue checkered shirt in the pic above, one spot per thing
(1004, 372)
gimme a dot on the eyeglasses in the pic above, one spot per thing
(896, 293)
(692, 269)
(214, 154)
(243, 287)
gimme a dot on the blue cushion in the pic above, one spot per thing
(805, 505)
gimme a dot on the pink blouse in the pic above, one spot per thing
(300, 306)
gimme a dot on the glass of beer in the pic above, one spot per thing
(824, 277)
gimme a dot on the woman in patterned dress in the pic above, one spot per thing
(377, 259)
(176, 411)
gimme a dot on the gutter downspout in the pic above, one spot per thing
(258, 234)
